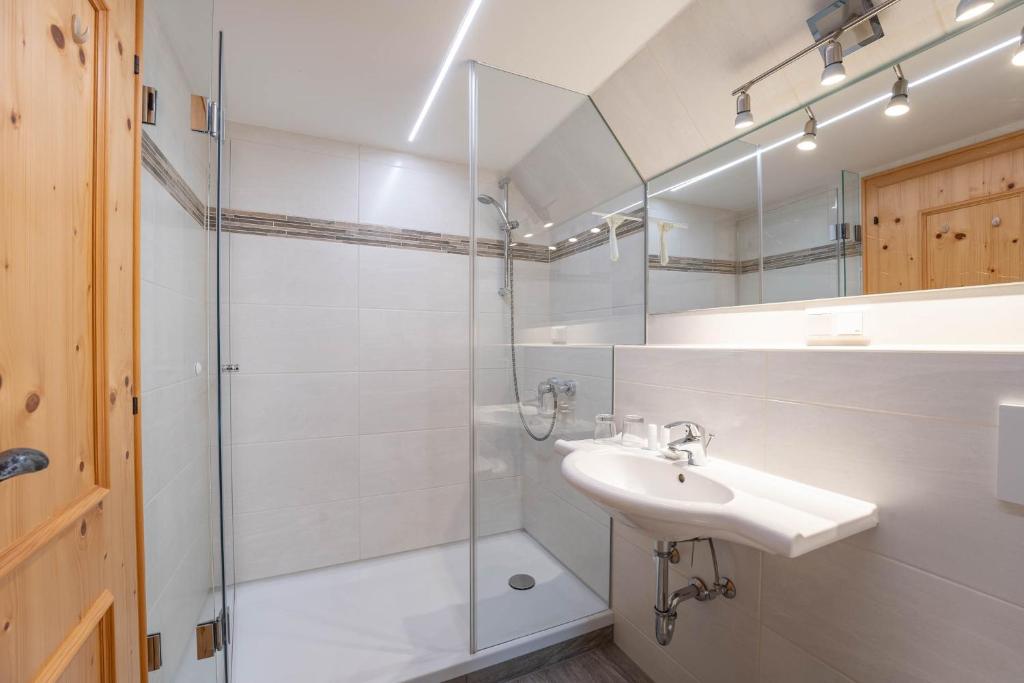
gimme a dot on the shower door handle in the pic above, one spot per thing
(17, 461)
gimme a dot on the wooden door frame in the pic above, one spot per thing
(140, 536)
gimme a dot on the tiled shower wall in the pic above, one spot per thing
(931, 595)
(350, 408)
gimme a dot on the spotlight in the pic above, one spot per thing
(971, 9)
(834, 69)
(809, 140)
(528, 235)
(573, 240)
(1018, 54)
(595, 230)
(551, 248)
(899, 103)
(744, 119)
(548, 225)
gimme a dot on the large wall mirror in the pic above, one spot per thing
(930, 199)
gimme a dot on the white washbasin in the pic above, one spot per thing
(719, 500)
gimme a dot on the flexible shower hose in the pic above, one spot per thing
(515, 377)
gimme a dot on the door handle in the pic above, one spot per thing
(17, 461)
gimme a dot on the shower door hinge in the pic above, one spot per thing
(211, 637)
(154, 652)
(230, 367)
(844, 231)
(213, 117)
(149, 105)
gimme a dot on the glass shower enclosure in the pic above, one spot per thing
(558, 273)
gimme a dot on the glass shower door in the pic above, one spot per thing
(554, 289)
(180, 463)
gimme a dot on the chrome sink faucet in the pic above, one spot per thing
(686, 445)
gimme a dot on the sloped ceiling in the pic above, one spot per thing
(672, 100)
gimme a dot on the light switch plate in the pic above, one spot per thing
(840, 326)
(1010, 470)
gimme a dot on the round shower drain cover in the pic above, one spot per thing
(522, 582)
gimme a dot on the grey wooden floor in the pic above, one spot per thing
(607, 664)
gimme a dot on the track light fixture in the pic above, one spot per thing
(1018, 54)
(834, 70)
(744, 119)
(971, 9)
(899, 103)
(809, 140)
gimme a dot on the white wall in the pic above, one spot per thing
(932, 594)
(350, 410)
(598, 300)
(174, 396)
(709, 233)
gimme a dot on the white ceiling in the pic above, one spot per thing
(359, 71)
(974, 102)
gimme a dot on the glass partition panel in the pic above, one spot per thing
(559, 277)
(178, 336)
(885, 198)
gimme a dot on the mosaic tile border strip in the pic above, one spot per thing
(159, 166)
(685, 264)
(789, 259)
(256, 223)
(279, 225)
(800, 257)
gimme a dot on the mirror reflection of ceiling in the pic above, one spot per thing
(672, 100)
(968, 103)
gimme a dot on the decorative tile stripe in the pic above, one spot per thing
(255, 223)
(789, 259)
(800, 257)
(154, 161)
(587, 239)
(686, 264)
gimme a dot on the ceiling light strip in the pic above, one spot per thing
(453, 49)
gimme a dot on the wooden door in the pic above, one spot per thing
(978, 244)
(68, 162)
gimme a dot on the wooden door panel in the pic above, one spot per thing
(966, 248)
(899, 205)
(48, 270)
(68, 150)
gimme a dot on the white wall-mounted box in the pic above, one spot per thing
(1010, 469)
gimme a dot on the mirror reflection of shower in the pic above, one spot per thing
(507, 292)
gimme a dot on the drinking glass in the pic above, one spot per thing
(604, 428)
(633, 434)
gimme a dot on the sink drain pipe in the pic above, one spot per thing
(666, 553)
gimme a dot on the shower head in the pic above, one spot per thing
(488, 199)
